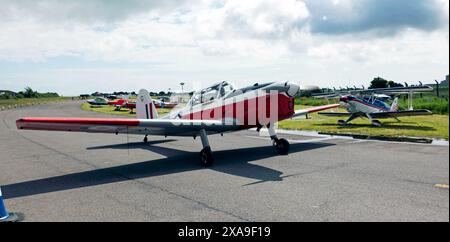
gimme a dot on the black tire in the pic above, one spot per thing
(145, 139)
(282, 146)
(376, 123)
(206, 157)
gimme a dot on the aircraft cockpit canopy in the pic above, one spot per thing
(212, 93)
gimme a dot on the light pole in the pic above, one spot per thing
(182, 85)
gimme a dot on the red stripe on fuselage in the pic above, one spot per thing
(150, 107)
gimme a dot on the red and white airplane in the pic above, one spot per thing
(217, 109)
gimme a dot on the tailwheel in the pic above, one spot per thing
(282, 146)
(206, 157)
(376, 123)
(342, 122)
(145, 139)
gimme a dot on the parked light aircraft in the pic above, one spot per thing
(217, 109)
(369, 104)
(99, 101)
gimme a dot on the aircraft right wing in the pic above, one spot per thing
(303, 112)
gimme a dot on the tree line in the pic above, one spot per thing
(28, 92)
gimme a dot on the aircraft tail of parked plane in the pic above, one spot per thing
(394, 105)
(145, 108)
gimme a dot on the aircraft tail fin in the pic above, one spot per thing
(145, 108)
(394, 106)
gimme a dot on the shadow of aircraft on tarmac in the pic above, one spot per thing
(235, 162)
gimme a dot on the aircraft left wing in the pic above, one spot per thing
(170, 127)
(303, 112)
(335, 114)
(405, 113)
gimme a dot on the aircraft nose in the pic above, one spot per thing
(343, 99)
(293, 89)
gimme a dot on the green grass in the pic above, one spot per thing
(123, 112)
(434, 126)
(434, 104)
(28, 101)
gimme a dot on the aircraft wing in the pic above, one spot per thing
(389, 90)
(335, 114)
(303, 112)
(396, 90)
(405, 113)
(170, 127)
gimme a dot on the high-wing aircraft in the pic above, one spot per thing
(369, 104)
(217, 109)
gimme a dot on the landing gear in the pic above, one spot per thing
(145, 139)
(376, 123)
(345, 122)
(206, 156)
(342, 122)
(281, 145)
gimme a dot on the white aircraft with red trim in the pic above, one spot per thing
(367, 104)
(217, 109)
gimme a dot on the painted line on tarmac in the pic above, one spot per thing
(442, 186)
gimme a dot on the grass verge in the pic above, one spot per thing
(29, 101)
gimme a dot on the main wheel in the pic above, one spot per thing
(145, 139)
(376, 123)
(282, 146)
(342, 123)
(206, 157)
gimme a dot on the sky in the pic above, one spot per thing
(83, 46)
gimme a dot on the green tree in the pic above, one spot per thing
(378, 82)
(394, 84)
(30, 93)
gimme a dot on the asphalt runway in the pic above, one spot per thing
(55, 176)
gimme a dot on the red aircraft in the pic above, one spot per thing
(217, 109)
(118, 102)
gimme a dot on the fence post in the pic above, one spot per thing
(437, 88)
